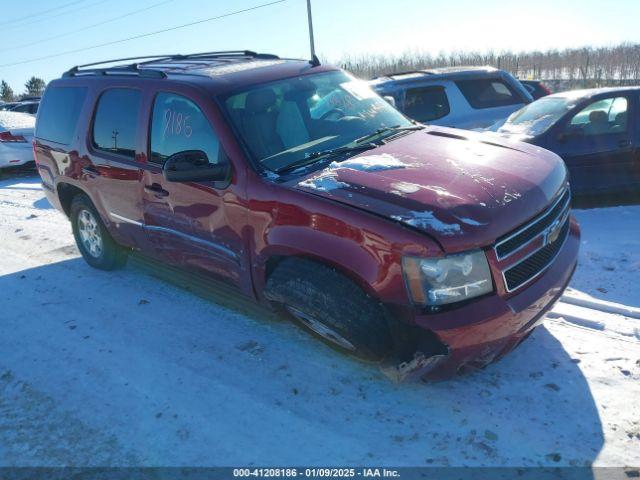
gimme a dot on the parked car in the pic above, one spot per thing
(461, 97)
(26, 107)
(386, 239)
(8, 106)
(536, 88)
(594, 131)
(16, 135)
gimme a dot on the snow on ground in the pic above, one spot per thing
(121, 368)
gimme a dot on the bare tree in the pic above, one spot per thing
(572, 67)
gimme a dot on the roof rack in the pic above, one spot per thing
(407, 72)
(139, 70)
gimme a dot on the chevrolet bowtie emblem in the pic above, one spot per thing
(553, 232)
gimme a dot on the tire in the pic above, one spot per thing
(95, 243)
(331, 307)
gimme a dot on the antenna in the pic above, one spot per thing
(314, 60)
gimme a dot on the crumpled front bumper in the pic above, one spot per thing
(482, 332)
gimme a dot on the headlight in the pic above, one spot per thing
(438, 281)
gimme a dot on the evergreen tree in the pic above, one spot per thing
(35, 86)
(6, 93)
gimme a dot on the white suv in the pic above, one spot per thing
(461, 97)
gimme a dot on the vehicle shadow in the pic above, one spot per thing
(23, 171)
(141, 371)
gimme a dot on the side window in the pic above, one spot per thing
(488, 93)
(59, 113)
(178, 125)
(601, 117)
(426, 103)
(116, 121)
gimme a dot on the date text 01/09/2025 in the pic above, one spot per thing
(316, 472)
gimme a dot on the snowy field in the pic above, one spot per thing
(124, 368)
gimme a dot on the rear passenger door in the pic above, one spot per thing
(195, 224)
(596, 145)
(116, 164)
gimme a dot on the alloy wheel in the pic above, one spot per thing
(90, 234)
(321, 329)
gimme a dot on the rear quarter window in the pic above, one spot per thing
(59, 112)
(488, 93)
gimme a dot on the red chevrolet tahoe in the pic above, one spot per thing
(297, 184)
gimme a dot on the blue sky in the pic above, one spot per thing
(341, 27)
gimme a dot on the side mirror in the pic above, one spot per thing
(194, 166)
(390, 100)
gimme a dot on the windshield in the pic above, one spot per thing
(538, 117)
(285, 122)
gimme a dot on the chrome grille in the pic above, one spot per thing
(552, 227)
(512, 242)
(533, 265)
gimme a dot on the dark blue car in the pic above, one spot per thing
(596, 132)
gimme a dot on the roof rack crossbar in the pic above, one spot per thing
(220, 54)
(159, 57)
(132, 69)
(150, 59)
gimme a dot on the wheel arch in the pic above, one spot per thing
(269, 261)
(66, 192)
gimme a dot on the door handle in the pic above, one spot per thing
(624, 142)
(91, 170)
(156, 190)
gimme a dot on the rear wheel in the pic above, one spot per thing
(331, 307)
(94, 242)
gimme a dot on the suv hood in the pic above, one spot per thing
(462, 188)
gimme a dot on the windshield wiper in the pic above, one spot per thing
(394, 128)
(315, 156)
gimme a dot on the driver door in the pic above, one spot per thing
(596, 146)
(190, 223)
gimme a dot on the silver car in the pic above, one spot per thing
(16, 135)
(461, 97)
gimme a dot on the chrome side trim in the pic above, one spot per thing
(542, 270)
(531, 224)
(215, 246)
(115, 216)
(191, 238)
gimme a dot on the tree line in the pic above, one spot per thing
(587, 66)
(565, 69)
(34, 87)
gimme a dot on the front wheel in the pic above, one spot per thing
(331, 307)
(92, 238)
